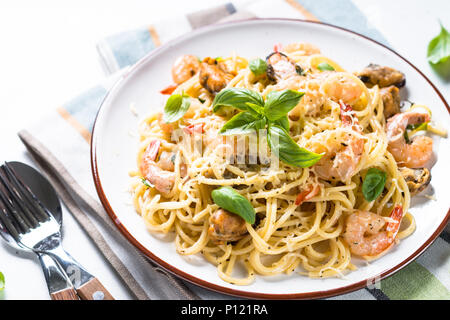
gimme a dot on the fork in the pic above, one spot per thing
(36, 229)
(59, 285)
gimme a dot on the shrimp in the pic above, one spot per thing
(342, 87)
(226, 226)
(212, 75)
(341, 161)
(363, 231)
(184, 68)
(158, 173)
(412, 155)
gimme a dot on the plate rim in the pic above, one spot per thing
(215, 287)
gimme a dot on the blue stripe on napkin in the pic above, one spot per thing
(84, 107)
(342, 13)
(128, 47)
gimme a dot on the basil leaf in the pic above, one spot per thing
(237, 98)
(258, 66)
(255, 109)
(2, 281)
(288, 151)
(279, 103)
(373, 184)
(439, 47)
(283, 122)
(325, 67)
(243, 123)
(230, 200)
(176, 106)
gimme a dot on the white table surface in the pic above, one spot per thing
(48, 56)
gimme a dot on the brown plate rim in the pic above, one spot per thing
(236, 292)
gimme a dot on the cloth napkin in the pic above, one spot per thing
(62, 153)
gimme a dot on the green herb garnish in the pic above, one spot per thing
(146, 183)
(417, 126)
(279, 103)
(230, 200)
(237, 98)
(373, 184)
(176, 106)
(271, 114)
(406, 136)
(439, 47)
(2, 281)
(325, 67)
(258, 66)
(414, 128)
(287, 150)
(243, 123)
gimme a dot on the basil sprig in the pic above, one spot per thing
(271, 114)
(230, 200)
(325, 67)
(439, 47)
(373, 184)
(176, 106)
(258, 66)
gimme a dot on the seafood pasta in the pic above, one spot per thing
(283, 164)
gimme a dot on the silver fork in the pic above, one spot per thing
(59, 285)
(37, 230)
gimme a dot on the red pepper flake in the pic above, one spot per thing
(307, 194)
(194, 128)
(277, 47)
(169, 90)
(347, 116)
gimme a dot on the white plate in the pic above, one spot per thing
(114, 147)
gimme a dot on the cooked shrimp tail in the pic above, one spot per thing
(394, 225)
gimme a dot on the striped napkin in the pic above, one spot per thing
(62, 151)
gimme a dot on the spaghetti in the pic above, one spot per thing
(301, 212)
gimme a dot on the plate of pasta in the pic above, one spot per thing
(275, 158)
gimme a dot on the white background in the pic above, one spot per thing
(48, 56)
